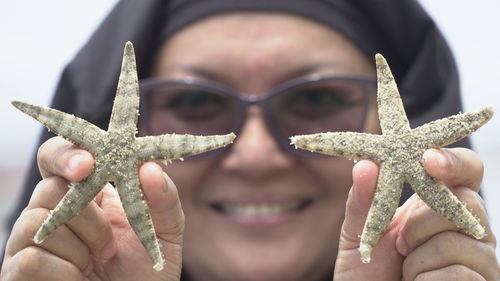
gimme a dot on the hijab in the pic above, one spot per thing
(401, 30)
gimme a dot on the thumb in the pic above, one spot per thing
(358, 203)
(386, 263)
(163, 200)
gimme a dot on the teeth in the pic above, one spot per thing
(256, 210)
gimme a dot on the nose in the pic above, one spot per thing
(255, 153)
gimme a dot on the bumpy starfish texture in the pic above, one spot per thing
(399, 153)
(118, 154)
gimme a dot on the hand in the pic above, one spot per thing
(97, 244)
(419, 244)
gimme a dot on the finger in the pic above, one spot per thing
(455, 167)
(348, 265)
(166, 212)
(62, 242)
(59, 157)
(456, 272)
(91, 225)
(449, 248)
(422, 222)
(164, 204)
(34, 263)
(359, 201)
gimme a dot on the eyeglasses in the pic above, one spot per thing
(306, 105)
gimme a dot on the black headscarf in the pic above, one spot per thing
(399, 29)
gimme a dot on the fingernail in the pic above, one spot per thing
(401, 246)
(165, 180)
(74, 161)
(157, 169)
(165, 188)
(108, 251)
(437, 155)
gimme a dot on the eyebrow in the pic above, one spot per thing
(212, 75)
(310, 69)
(201, 71)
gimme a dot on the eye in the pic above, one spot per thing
(189, 104)
(319, 97)
(195, 99)
(320, 102)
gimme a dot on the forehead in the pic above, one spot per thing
(253, 24)
(247, 45)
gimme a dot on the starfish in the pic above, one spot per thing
(399, 153)
(118, 154)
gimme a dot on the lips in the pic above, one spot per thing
(267, 209)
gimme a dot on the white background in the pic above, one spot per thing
(37, 38)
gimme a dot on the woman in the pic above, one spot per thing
(258, 210)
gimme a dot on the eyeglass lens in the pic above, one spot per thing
(326, 106)
(190, 110)
(319, 106)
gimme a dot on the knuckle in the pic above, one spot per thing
(29, 221)
(458, 272)
(417, 229)
(472, 200)
(35, 263)
(101, 237)
(491, 239)
(46, 158)
(28, 224)
(489, 259)
(451, 246)
(453, 272)
(178, 230)
(465, 162)
(425, 277)
(42, 156)
(476, 162)
(453, 168)
(92, 226)
(28, 261)
(448, 244)
(489, 255)
(50, 187)
(82, 260)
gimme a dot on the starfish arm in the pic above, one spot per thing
(76, 199)
(126, 104)
(137, 211)
(173, 146)
(70, 127)
(391, 112)
(438, 197)
(350, 145)
(384, 205)
(451, 129)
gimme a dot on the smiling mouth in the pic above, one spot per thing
(261, 209)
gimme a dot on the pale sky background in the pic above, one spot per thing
(37, 39)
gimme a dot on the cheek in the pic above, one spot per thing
(188, 176)
(335, 175)
(331, 168)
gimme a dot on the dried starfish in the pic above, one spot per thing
(118, 153)
(399, 152)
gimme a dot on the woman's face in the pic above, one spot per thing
(257, 212)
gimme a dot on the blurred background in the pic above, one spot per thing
(38, 38)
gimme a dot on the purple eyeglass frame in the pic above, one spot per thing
(368, 84)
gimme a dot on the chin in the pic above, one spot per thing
(225, 254)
